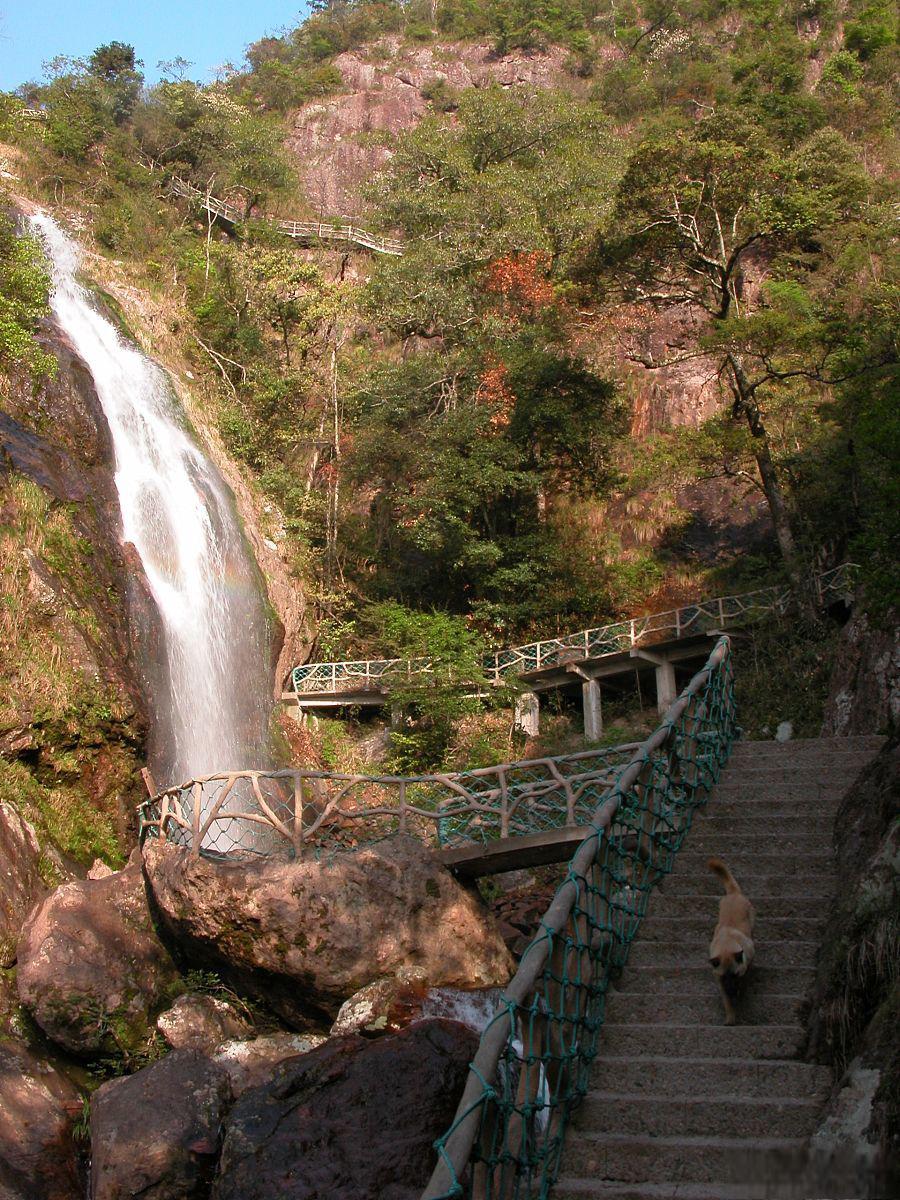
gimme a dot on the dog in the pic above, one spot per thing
(731, 948)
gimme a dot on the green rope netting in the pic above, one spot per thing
(535, 1055)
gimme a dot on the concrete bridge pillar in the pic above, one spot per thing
(593, 710)
(666, 688)
(528, 714)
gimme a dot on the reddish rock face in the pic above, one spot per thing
(353, 1120)
(155, 1134)
(249, 1064)
(21, 885)
(306, 935)
(37, 1109)
(90, 966)
(335, 155)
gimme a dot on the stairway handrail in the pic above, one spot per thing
(309, 678)
(455, 1149)
(340, 229)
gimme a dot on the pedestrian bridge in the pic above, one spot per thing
(653, 646)
(480, 822)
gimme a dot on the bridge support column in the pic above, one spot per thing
(666, 689)
(528, 714)
(396, 717)
(593, 710)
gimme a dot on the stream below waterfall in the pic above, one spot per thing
(180, 517)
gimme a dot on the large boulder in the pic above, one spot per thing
(21, 885)
(155, 1134)
(90, 967)
(353, 1120)
(864, 690)
(305, 935)
(38, 1107)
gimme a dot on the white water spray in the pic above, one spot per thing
(179, 515)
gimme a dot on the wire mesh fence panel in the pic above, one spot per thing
(534, 1058)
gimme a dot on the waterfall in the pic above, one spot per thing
(180, 516)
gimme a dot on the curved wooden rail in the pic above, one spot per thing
(271, 812)
(302, 231)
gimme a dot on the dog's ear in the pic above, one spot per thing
(714, 962)
(738, 956)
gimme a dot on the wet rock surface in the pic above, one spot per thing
(155, 1134)
(385, 1006)
(353, 1120)
(201, 1023)
(306, 935)
(38, 1106)
(90, 966)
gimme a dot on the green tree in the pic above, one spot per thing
(24, 291)
(696, 207)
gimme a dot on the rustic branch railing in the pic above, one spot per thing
(304, 231)
(267, 812)
(706, 615)
(533, 1060)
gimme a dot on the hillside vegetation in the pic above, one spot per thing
(455, 430)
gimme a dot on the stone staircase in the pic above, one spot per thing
(681, 1105)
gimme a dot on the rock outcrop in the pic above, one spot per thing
(306, 935)
(155, 1134)
(336, 140)
(864, 696)
(21, 885)
(201, 1023)
(249, 1064)
(90, 967)
(353, 1120)
(38, 1106)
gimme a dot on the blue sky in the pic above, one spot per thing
(206, 34)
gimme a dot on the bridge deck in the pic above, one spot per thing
(512, 854)
(375, 693)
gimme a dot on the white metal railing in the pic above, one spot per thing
(362, 675)
(323, 231)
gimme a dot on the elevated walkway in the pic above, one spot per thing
(655, 647)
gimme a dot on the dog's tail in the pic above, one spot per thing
(718, 867)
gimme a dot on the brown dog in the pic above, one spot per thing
(731, 948)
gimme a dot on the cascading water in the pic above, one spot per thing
(180, 517)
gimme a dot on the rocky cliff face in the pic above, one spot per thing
(340, 143)
(73, 720)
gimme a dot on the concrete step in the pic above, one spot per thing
(859, 743)
(636, 1158)
(762, 862)
(691, 1115)
(692, 977)
(696, 1008)
(720, 1041)
(730, 839)
(808, 890)
(572, 1188)
(666, 1075)
(680, 904)
(781, 801)
(797, 772)
(663, 925)
(738, 823)
(673, 955)
(844, 760)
